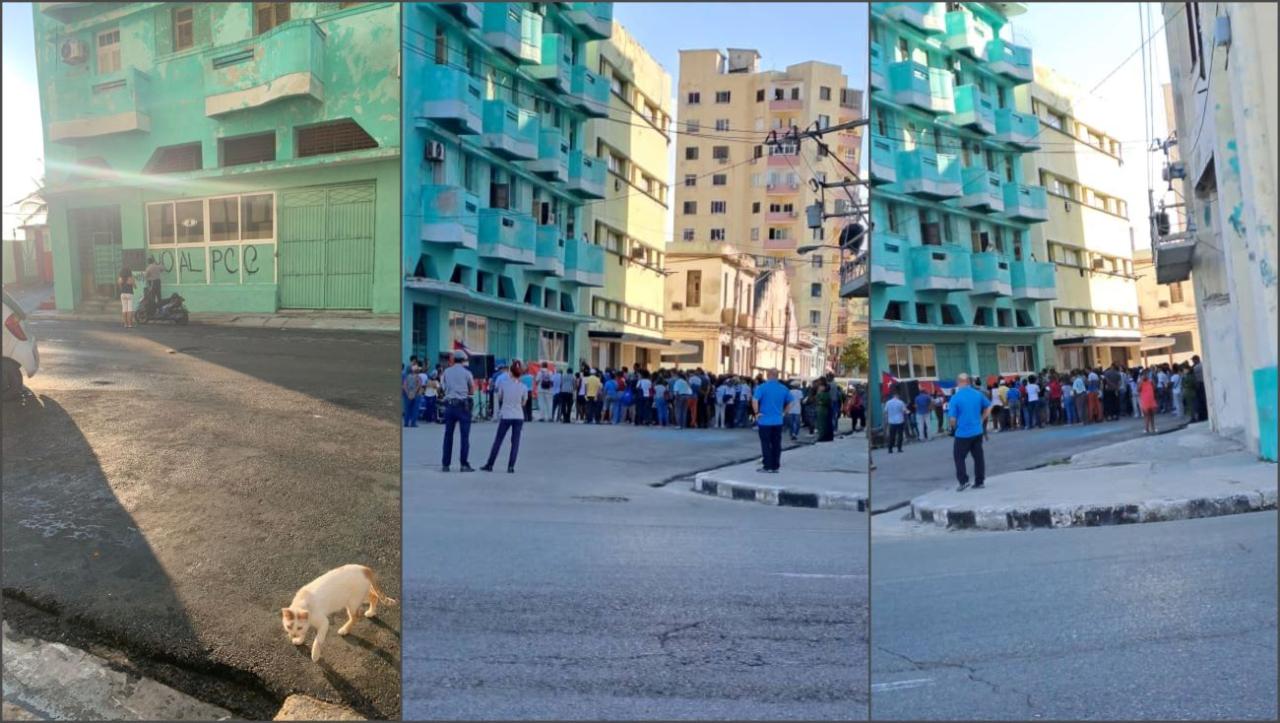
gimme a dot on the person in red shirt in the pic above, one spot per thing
(1055, 400)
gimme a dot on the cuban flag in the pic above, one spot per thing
(459, 346)
(887, 382)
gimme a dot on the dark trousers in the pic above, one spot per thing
(1202, 404)
(859, 419)
(515, 425)
(730, 415)
(896, 433)
(642, 410)
(593, 411)
(410, 410)
(963, 447)
(456, 414)
(564, 406)
(771, 445)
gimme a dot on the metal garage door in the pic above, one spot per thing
(326, 247)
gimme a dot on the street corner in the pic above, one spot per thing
(830, 475)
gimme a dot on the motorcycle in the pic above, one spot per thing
(171, 309)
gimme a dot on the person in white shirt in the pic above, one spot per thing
(508, 400)
(545, 390)
(1175, 385)
(1162, 389)
(791, 418)
(644, 388)
(744, 403)
(1031, 410)
(722, 398)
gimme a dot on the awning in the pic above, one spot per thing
(1096, 341)
(1155, 343)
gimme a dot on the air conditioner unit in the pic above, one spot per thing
(434, 151)
(73, 51)
(1176, 170)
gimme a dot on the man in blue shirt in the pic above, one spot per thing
(968, 411)
(924, 404)
(770, 399)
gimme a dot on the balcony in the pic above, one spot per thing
(1026, 203)
(884, 160)
(1017, 129)
(783, 160)
(983, 190)
(553, 156)
(778, 244)
(284, 62)
(782, 188)
(89, 106)
(1032, 280)
(450, 216)
(593, 19)
(991, 275)
(940, 268)
(509, 131)
(556, 64)
(589, 92)
(967, 34)
(453, 99)
(928, 174)
(549, 251)
(586, 175)
(506, 235)
(777, 104)
(914, 84)
(854, 277)
(1011, 61)
(926, 17)
(877, 67)
(974, 109)
(583, 263)
(741, 320)
(888, 259)
(469, 14)
(780, 217)
(513, 30)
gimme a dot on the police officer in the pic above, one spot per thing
(458, 386)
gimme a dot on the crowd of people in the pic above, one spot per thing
(685, 399)
(1052, 398)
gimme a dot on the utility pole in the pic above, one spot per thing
(786, 335)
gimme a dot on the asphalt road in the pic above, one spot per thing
(574, 589)
(1172, 621)
(926, 466)
(167, 489)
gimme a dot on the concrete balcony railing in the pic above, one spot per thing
(940, 268)
(506, 235)
(855, 275)
(926, 17)
(510, 28)
(586, 175)
(284, 62)
(782, 188)
(556, 66)
(884, 160)
(1011, 61)
(930, 175)
(1033, 280)
(1026, 203)
(453, 99)
(727, 318)
(583, 263)
(974, 109)
(983, 190)
(450, 216)
(553, 156)
(917, 85)
(785, 104)
(888, 259)
(1017, 129)
(991, 274)
(89, 106)
(593, 19)
(549, 251)
(877, 78)
(780, 217)
(469, 14)
(967, 34)
(783, 160)
(509, 131)
(589, 91)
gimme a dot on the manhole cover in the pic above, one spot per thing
(101, 382)
(594, 498)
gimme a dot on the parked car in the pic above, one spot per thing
(20, 353)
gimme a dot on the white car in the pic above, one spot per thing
(20, 353)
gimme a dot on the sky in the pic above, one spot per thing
(21, 145)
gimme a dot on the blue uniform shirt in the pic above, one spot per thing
(966, 408)
(773, 397)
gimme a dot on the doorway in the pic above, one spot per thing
(96, 237)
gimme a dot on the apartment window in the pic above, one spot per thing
(718, 207)
(816, 261)
(1175, 292)
(755, 233)
(824, 93)
(755, 207)
(779, 234)
(1015, 359)
(815, 318)
(257, 148)
(722, 124)
(687, 234)
(268, 15)
(692, 126)
(108, 51)
(824, 121)
(795, 93)
(717, 234)
(720, 153)
(693, 289)
(333, 137)
(695, 98)
(690, 208)
(691, 153)
(616, 85)
(815, 290)
(722, 96)
(183, 28)
(895, 222)
(690, 180)
(760, 95)
(916, 361)
(175, 159)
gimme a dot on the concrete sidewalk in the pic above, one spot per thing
(1185, 474)
(342, 321)
(827, 475)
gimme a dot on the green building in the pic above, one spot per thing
(956, 283)
(253, 148)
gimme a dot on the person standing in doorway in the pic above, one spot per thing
(968, 411)
(458, 385)
(895, 415)
(769, 402)
(510, 397)
(127, 285)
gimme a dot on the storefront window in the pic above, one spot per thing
(160, 224)
(190, 221)
(224, 219)
(258, 216)
(1015, 359)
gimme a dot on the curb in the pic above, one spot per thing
(1154, 510)
(709, 484)
(304, 707)
(250, 321)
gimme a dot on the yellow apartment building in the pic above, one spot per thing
(1170, 327)
(733, 186)
(1088, 235)
(630, 223)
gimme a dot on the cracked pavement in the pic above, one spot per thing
(1171, 620)
(528, 597)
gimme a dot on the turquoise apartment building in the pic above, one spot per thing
(253, 148)
(496, 173)
(955, 280)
